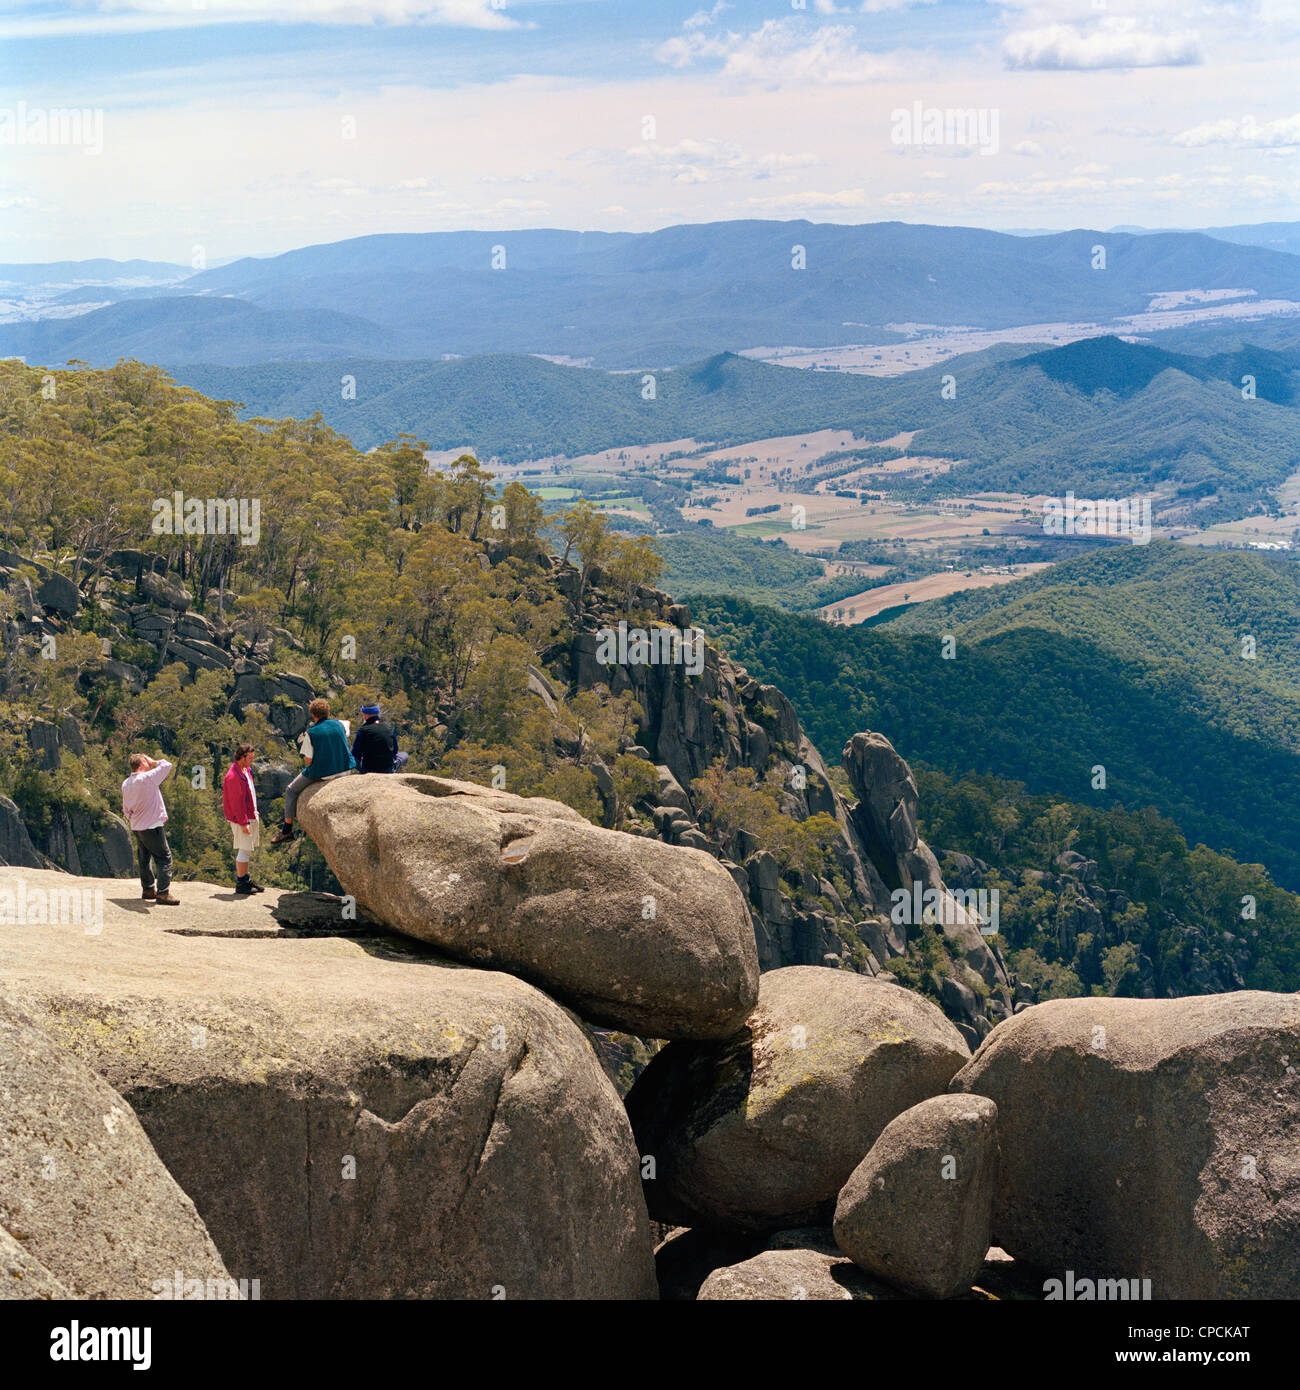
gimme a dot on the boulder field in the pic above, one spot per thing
(288, 1093)
(762, 1131)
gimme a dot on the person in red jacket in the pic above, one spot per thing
(239, 802)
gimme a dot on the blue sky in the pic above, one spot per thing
(216, 128)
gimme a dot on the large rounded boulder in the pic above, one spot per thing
(87, 1209)
(917, 1210)
(1150, 1139)
(634, 934)
(761, 1131)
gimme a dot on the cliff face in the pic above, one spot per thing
(862, 912)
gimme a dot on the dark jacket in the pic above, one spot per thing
(329, 750)
(375, 746)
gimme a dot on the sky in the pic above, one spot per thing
(204, 130)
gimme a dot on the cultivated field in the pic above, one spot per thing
(931, 343)
(849, 611)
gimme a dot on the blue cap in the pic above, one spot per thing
(368, 710)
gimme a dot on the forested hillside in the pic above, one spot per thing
(1130, 659)
(1100, 416)
(174, 579)
(370, 575)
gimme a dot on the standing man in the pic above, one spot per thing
(142, 805)
(375, 746)
(326, 752)
(239, 803)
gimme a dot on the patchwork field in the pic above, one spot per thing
(931, 343)
(849, 611)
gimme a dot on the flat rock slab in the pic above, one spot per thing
(1150, 1139)
(630, 932)
(353, 1117)
(762, 1131)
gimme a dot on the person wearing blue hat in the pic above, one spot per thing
(375, 746)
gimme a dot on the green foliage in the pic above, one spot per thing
(1185, 910)
(1129, 658)
(372, 576)
(731, 800)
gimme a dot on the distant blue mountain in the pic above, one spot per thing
(66, 272)
(653, 299)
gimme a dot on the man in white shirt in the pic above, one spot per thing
(145, 813)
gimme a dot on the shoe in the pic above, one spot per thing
(283, 836)
(149, 894)
(243, 887)
(166, 900)
(254, 887)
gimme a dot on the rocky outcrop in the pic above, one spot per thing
(762, 1131)
(86, 1201)
(353, 1117)
(917, 1210)
(631, 933)
(1150, 1139)
(838, 917)
(844, 917)
(16, 845)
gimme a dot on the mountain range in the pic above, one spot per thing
(1099, 412)
(637, 300)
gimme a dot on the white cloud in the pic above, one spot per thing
(701, 18)
(1028, 147)
(1111, 43)
(137, 16)
(1246, 133)
(797, 202)
(910, 200)
(698, 161)
(782, 51)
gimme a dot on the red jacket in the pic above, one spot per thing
(237, 798)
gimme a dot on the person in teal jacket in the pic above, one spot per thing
(326, 752)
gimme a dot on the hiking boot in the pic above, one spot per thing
(283, 836)
(149, 894)
(165, 899)
(244, 887)
(254, 887)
